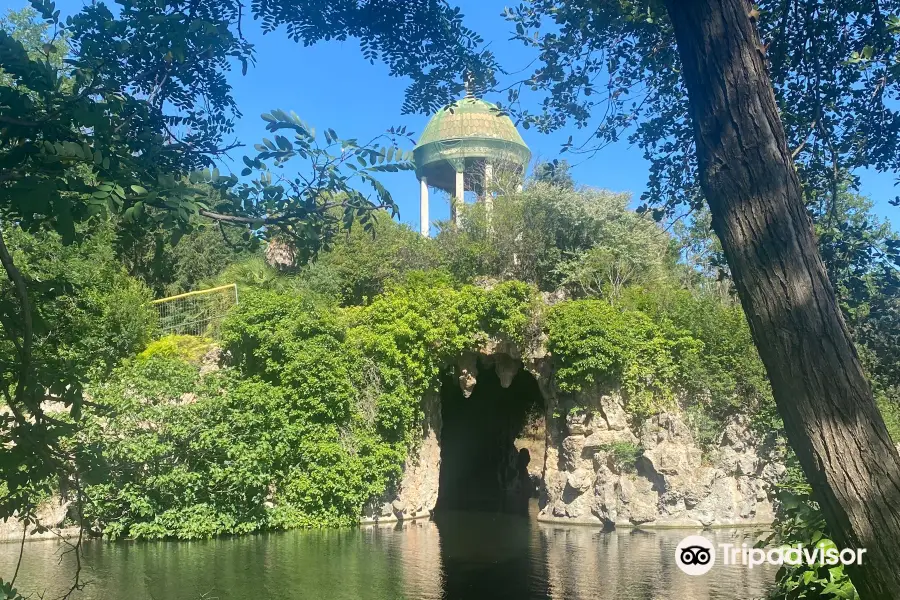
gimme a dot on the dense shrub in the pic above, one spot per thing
(624, 455)
(314, 418)
(359, 266)
(596, 344)
(799, 521)
(726, 376)
(191, 457)
(89, 314)
(188, 348)
(551, 236)
(144, 247)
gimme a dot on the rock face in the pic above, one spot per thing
(51, 516)
(417, 493)
(467, 372)
(280, 254)
(600, 471)
(594, 467)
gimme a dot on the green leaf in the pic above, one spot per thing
(65, 224)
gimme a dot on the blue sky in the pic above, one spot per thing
(330, 85)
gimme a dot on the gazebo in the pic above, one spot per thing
(459, 150)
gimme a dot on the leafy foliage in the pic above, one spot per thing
(313, 420)
(799, 521)
(836, 103)
(595, 344)
(200, 255)
(555, 172)
(553, 236)
(624, 455)
(89, 312)
(9, 592)
(359, 266)
(89, 315)
(85, 138)
(446, 50)
(188, 348)
(665, 347)
(726, 375)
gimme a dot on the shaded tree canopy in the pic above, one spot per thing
(611, 68)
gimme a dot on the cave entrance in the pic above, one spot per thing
(481, 469)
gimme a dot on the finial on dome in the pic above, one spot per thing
(470, 84)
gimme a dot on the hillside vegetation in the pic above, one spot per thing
(318, 400)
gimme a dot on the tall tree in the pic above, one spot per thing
(691, 83)
(754, 194)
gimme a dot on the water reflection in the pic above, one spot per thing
(461, 557)
(585, 563)
(489, 555)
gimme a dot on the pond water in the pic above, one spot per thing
(464, 556)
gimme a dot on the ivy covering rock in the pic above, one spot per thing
(316, 408)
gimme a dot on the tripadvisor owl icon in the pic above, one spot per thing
(695, 555)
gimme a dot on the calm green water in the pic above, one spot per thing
(465, 556)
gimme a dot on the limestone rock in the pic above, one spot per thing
(637, 501)
(280, 254)
(467, 371)
(50, 514)
(507, 368)
(212, 360)
(604, 438)
(673, 482)
(580, 480)
(579, 422)
(614, 412)
(572, 448)
(398, 507)
(416, 494)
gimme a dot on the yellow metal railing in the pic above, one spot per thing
(196, 313)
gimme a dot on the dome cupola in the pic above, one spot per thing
(461, 147)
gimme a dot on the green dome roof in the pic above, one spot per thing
(470, 118)
(470, 129)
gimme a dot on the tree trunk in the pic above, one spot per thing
(757, 208)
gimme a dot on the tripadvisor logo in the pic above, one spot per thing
(696, 555)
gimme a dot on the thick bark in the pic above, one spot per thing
(755, 198)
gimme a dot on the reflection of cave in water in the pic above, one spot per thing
(490, 556)
(486, 553)
(480, 467)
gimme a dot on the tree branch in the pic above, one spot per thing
(802, 145)
(15, 276)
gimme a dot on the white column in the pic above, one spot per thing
(488, 198)
(424, 223)
(460, 196)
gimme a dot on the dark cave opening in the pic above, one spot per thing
(481, 470)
